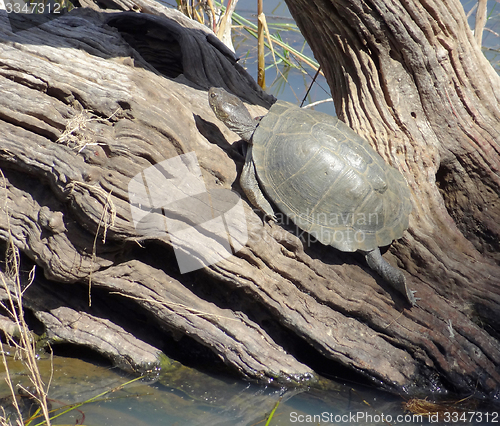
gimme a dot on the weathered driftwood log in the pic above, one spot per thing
(83, 112)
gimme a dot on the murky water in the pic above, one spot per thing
(182, 396)
(187, 397)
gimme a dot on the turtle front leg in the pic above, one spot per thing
(250, 186)
(392, 275)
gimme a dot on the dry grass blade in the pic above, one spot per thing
(251, 28)
(261, 63)
(428, 408)
(3, 417)
(74, 134)
(210, 11)
(193, 11)
(25, 346)
(108, 216)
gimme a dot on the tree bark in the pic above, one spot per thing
(81, 119)
(409, 77)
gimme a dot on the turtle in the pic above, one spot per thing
(325, 177)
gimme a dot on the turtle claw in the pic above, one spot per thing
(410, 294)
(414, 298)
(269, 217)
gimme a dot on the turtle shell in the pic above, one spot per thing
(328, 180)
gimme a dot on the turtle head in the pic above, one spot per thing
(230, 110)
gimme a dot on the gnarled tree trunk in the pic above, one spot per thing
(410, 78)
(89, 105)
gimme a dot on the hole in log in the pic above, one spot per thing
(124, 105)
(158, 47)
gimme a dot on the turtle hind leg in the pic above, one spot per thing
(250, 186)
(390, 274)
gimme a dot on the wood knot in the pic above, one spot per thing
(52, 221)
(91, 175)
(94, 154)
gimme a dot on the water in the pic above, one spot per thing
(188, 397)
(291, 83)
(491, 34)
(288, 83)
